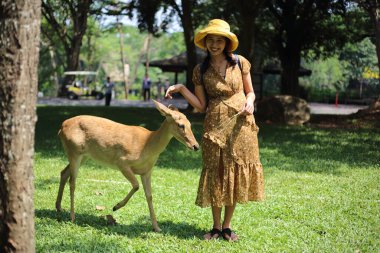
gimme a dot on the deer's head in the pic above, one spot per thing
(179, 125)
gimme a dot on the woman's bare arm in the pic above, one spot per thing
(197, 100)
(249, 93)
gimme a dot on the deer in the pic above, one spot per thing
(133, 150)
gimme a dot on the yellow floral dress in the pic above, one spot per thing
(232, 172)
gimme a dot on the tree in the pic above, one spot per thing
(372, 7)
(185, 14)
(249, 11)
(19, 43)
(357, 58)
(68, 20)
(242, 16)
(304, 25)
(185, 11)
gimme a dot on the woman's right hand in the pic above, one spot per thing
(173, 89)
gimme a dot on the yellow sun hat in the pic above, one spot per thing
(216, 27)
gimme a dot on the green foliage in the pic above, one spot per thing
(321, 194)
(108, 51)
(101, 48)
(326, 79)
(49, 41)
(356, 58)
(333, 74)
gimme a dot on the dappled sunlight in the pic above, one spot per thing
(322, 151)
(318, 185)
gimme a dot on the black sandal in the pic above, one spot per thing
(212, 233)
(228, 235)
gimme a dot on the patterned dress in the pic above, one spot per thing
(232, 172)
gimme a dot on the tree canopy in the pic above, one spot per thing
(267, 29)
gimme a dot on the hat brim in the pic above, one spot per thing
(201, 35)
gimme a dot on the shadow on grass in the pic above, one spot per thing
(317, 150)
(47, 184)
(300, 149)
(138, 228)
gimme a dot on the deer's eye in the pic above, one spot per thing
(181, 126)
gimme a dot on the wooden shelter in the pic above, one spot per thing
(274, 68)
(178, 64)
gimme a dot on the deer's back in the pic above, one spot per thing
(103, 139)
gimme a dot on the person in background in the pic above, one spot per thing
(159, 86)
(108, 88)
(146, 87)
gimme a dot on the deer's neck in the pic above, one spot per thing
(159, 139)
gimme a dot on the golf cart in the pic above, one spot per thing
(83, 85)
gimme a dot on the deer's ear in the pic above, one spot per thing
(162, 108)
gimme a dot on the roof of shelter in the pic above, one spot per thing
(275, 69)
(177, 63)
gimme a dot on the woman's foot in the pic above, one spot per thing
(213, 234)
(228, 235)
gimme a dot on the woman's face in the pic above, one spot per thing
(215, 44)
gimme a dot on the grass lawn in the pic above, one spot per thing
(322, 193)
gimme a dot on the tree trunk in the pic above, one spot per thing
(249, 11)
(188, 31)
(19, 43)
(247, 39)
(378, 42)
(147, 56)
(289, 41)
(374, 14)
(72, 60)
(290, 63)
(125, 77)
(55, 73)
(53, 62)
(79, 19)
(143, 51)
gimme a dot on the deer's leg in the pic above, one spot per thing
(127, 172)
(146, 182)
(74, 166)
(65, 173)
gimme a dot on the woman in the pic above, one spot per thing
(232, 172)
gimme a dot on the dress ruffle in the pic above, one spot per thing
(240, 184)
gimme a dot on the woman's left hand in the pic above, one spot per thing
(248, 107)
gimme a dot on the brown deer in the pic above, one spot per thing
(132, 149)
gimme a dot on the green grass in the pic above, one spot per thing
(322, 194)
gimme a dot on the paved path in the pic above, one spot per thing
(316, 108)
